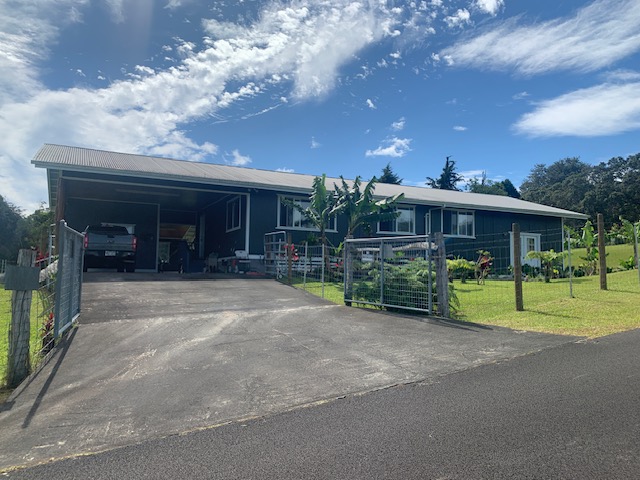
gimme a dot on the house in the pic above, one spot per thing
(186, 212)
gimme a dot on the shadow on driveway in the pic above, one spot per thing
(156, 355)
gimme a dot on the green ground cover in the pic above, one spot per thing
(615, 253)
(548, 307)
(5, 322)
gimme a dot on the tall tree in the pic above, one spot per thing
(511, 190)
(10, 226)
(388, 176)
(321, 209)
(486, 186)
(448, 179)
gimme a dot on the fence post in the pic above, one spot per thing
(347, 277)
(382, 272)
(289, 259)
(570, 268)
(602, 254)
(635, 239)
(322, 273)
(429, 278)
(517, 266)
(442, 277)
(18, 365)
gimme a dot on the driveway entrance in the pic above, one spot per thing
(160, 354)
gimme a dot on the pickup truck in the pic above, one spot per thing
(109, 246)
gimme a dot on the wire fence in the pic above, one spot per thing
(40, 325)
(555, 267)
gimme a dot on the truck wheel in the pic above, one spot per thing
(130, 269)
(120, 268)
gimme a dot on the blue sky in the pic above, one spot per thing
(340, 87)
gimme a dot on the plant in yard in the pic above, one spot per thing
(590, 240)
(460, 268)
(549, 260)
(321, 209)
(359, 205)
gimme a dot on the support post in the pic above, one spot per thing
(517, 266)
(18, 365)
(289, 259)
(602, 254)
(635, 239)
(442, 277)
(570, 267)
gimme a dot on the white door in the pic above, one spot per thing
(529, 242)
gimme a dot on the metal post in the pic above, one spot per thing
(570, 269)
(322, 271)
(429, 279)
(635, 237)
(442, 277)
(381, 272)
(517, 266)
(57, 309)
(602, 254)
(304, 274)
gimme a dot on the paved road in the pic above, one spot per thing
(569, 412)
(157, 355)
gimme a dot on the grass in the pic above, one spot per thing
(548, 307)
(5, 322)
(615, 253)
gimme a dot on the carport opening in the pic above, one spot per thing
(177, 244)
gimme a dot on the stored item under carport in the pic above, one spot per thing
(109, 246)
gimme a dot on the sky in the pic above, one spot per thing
(341, 87)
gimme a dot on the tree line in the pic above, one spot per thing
(611, 188)
(18, 231)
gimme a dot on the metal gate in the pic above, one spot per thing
(275, 253)
(395, 272)
(68, 278)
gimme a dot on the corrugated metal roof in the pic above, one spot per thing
(62, 157)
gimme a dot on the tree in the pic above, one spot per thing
(359, 205)
(322, 207)
(511, 190)
(10, 223)
(485, 186)
(448, 178)
(36, 228)
(388, 176)
(562, 184)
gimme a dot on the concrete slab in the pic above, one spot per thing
(160, 354)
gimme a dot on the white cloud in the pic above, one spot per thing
(395, 147)
(490, 6)
(370, 104)
(606, 109)
(238, 160)
(597, 36)
(622, 76)
(399, 125)
(521, 96)
(285, 170)
(301, 45)
(314, 143)
(459, 128)
(458, 19)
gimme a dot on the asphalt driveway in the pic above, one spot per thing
(157, 355)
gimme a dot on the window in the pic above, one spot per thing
(233, 214)
(458, 223)
(290, 217)
(403, 223)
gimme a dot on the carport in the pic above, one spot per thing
(176, 222)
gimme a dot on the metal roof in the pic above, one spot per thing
(56, 158)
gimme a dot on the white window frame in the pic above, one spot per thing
(456, 234)
(395, 230)
(293, 198)
(232, 223)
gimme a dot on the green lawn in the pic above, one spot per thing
(548, 307)
(615, 253)
(5, 322)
